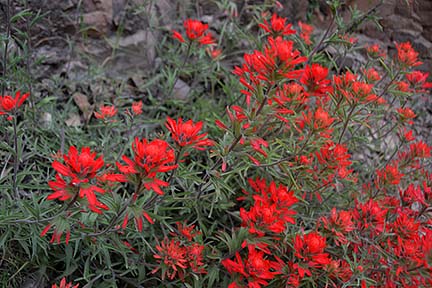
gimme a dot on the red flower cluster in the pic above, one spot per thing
(406, 55)
(339, 224)
(195, 31)
(277, 61)
(315, 80)
(63, 284)
(8, 103)
(270, 212)
(309, 250)
(186, 134)
(255, 268)
(177, 256)
(277, 26)
(77, 176)
(306, 32)
(335, 157)
(106, 112)
(150, 158)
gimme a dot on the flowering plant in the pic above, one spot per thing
(289, 185)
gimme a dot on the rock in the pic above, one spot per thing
(74, 120)
(423, 46)
(97, 22)
(405, 35)
(396, 23)
(181, 90)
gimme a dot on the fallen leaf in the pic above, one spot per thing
(83, 104)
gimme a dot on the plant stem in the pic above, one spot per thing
(188, 53)
(346, 123)
(16, 159)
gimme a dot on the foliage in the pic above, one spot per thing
(281, 178)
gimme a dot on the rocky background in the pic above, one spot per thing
(131, 28)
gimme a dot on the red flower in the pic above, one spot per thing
(306, 31)
(371, 75)
(390, 175)
(137, 107)
(75, 175)
(406, 55)
(58, 232)
(255, 268)
(277, 26)
(178, 36)
(138, 214)
(173, 257)
(63, 284)
(315, 79)
(339, 223)
(406, 114)
(277, 61)
(270, 211)
(370, 216)
(195, 31)
(420, 150)
(309, 249)
(187, 231)
(187, 133)
(9, 103)
(106, 112)
(150, 158)
(213, 52)
(419, 79)
(375, 51)
(335, 156)
(195, 253)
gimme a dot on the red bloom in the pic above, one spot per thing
(418, 79)
(306, 31)
(335, 156)
(213, 52)
(195, 31)
(58, 232)
(137, 107)
(187, 133)
(277, 61)
(370, 216)
(277, 26)
(315, 79)
(187, 231)
(173, 257)
(75, 175)
(195, 259)
(150, 158)
(406, 114)
(106, 112)
(371, 75)
(138, 214)
(420, 150)
(270, 211)
(63, 284)
(390, 175)
(309, 249)
(178, 36)
(255, 268)
(9, 103)
(339, 223)
(375, 51)
(406, 55)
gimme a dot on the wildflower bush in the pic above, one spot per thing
(288, 181)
